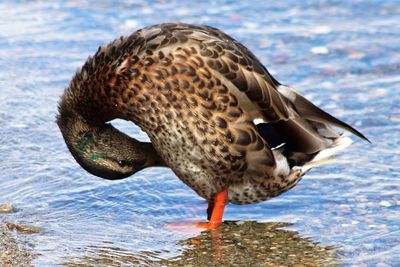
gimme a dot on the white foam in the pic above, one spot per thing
(319, 50)
(321, 29)
(131, 23)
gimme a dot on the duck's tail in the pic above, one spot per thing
(326, 156)
(307, 139)
(312, 113)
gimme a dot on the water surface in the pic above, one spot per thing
(344, 56)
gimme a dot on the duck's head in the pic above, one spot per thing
(101, 149)
(86, 106)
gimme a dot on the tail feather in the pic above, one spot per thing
(311, 112)
(307, 137)
(326, 156)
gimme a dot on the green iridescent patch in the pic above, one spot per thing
(96, 156)
(86, 140)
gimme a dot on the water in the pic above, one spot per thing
(344, 56)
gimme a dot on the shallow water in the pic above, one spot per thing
(343, 56)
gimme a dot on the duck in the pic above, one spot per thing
(212, 111)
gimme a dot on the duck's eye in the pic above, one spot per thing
(121, 163)
(124, 163)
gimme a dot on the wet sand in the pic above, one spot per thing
(11, 253)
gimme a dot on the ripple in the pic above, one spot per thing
(342, 55)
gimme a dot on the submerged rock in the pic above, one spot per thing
(6, 208)
(25, 229)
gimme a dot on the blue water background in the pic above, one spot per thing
(343, 55)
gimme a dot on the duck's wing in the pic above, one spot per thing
(255, 89)
(238, 65)
(301, 124)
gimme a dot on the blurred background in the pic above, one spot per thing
(342, 55)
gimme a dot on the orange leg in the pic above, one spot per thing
(210, 209)
(216, 210)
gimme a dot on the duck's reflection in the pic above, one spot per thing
(233, 244)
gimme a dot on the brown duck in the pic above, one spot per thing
(212, 111)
